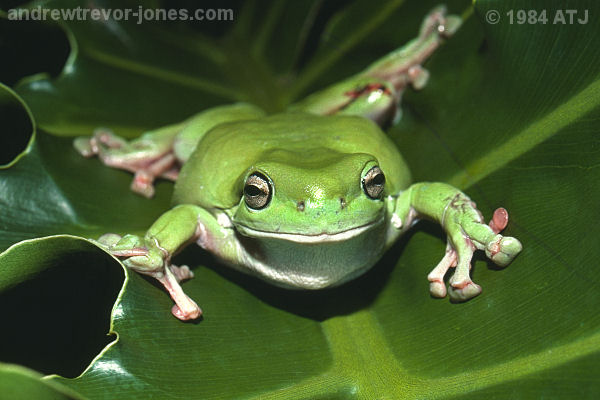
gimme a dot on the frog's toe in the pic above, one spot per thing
(437, 21)
(85, 146)
(463, 291)
(148, 263)
(143, 184)
(418, 76)
(182, 272)
(503, 249)
(437, 289)
(186, 315)
(436, 276)
(499, 220)
(451, 25)
(185, 308)
(129, 240)
(127, 246)
(109, 239)
(106, 137)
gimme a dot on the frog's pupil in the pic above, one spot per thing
(252, 191)
(378, 179)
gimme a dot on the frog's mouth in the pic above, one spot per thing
(307, 239)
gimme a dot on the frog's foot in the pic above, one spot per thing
(435, 27)
(122, 246)
(143, 180)
(89, 147)
(147, 157)
(108, 239)
(437, 22)
(404, 66)
(169, 276)
(152, 262)
(185, 308)
(182, 272)
(461, 286)
(468, 232)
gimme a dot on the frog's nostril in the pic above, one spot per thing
(300, 206)
(342, 203)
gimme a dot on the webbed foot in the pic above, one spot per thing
(404, 66)
(148, 157)
(467, 232)
(459, 290)
(145, 257)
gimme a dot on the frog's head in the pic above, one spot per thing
(294, 174)
(312, 194)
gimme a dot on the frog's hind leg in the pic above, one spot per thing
(160, 152)
(404, 65)
(148, 157)
(376, 92)
(165, 167)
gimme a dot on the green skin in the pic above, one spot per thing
(320, 214)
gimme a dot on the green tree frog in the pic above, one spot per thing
(308, 199)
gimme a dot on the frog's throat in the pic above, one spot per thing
(307, 239)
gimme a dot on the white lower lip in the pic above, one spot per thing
(299, 238)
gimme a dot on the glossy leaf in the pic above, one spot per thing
(18, 382)
(510, 115)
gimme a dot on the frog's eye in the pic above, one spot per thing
(257, 191)
(373, 183)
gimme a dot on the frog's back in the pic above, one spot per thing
(213, 175)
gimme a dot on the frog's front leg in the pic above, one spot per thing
(466, 231)
(151, 254)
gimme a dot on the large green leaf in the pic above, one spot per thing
(510, 115)
(18, 382)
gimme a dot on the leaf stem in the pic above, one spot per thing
(579, 105)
